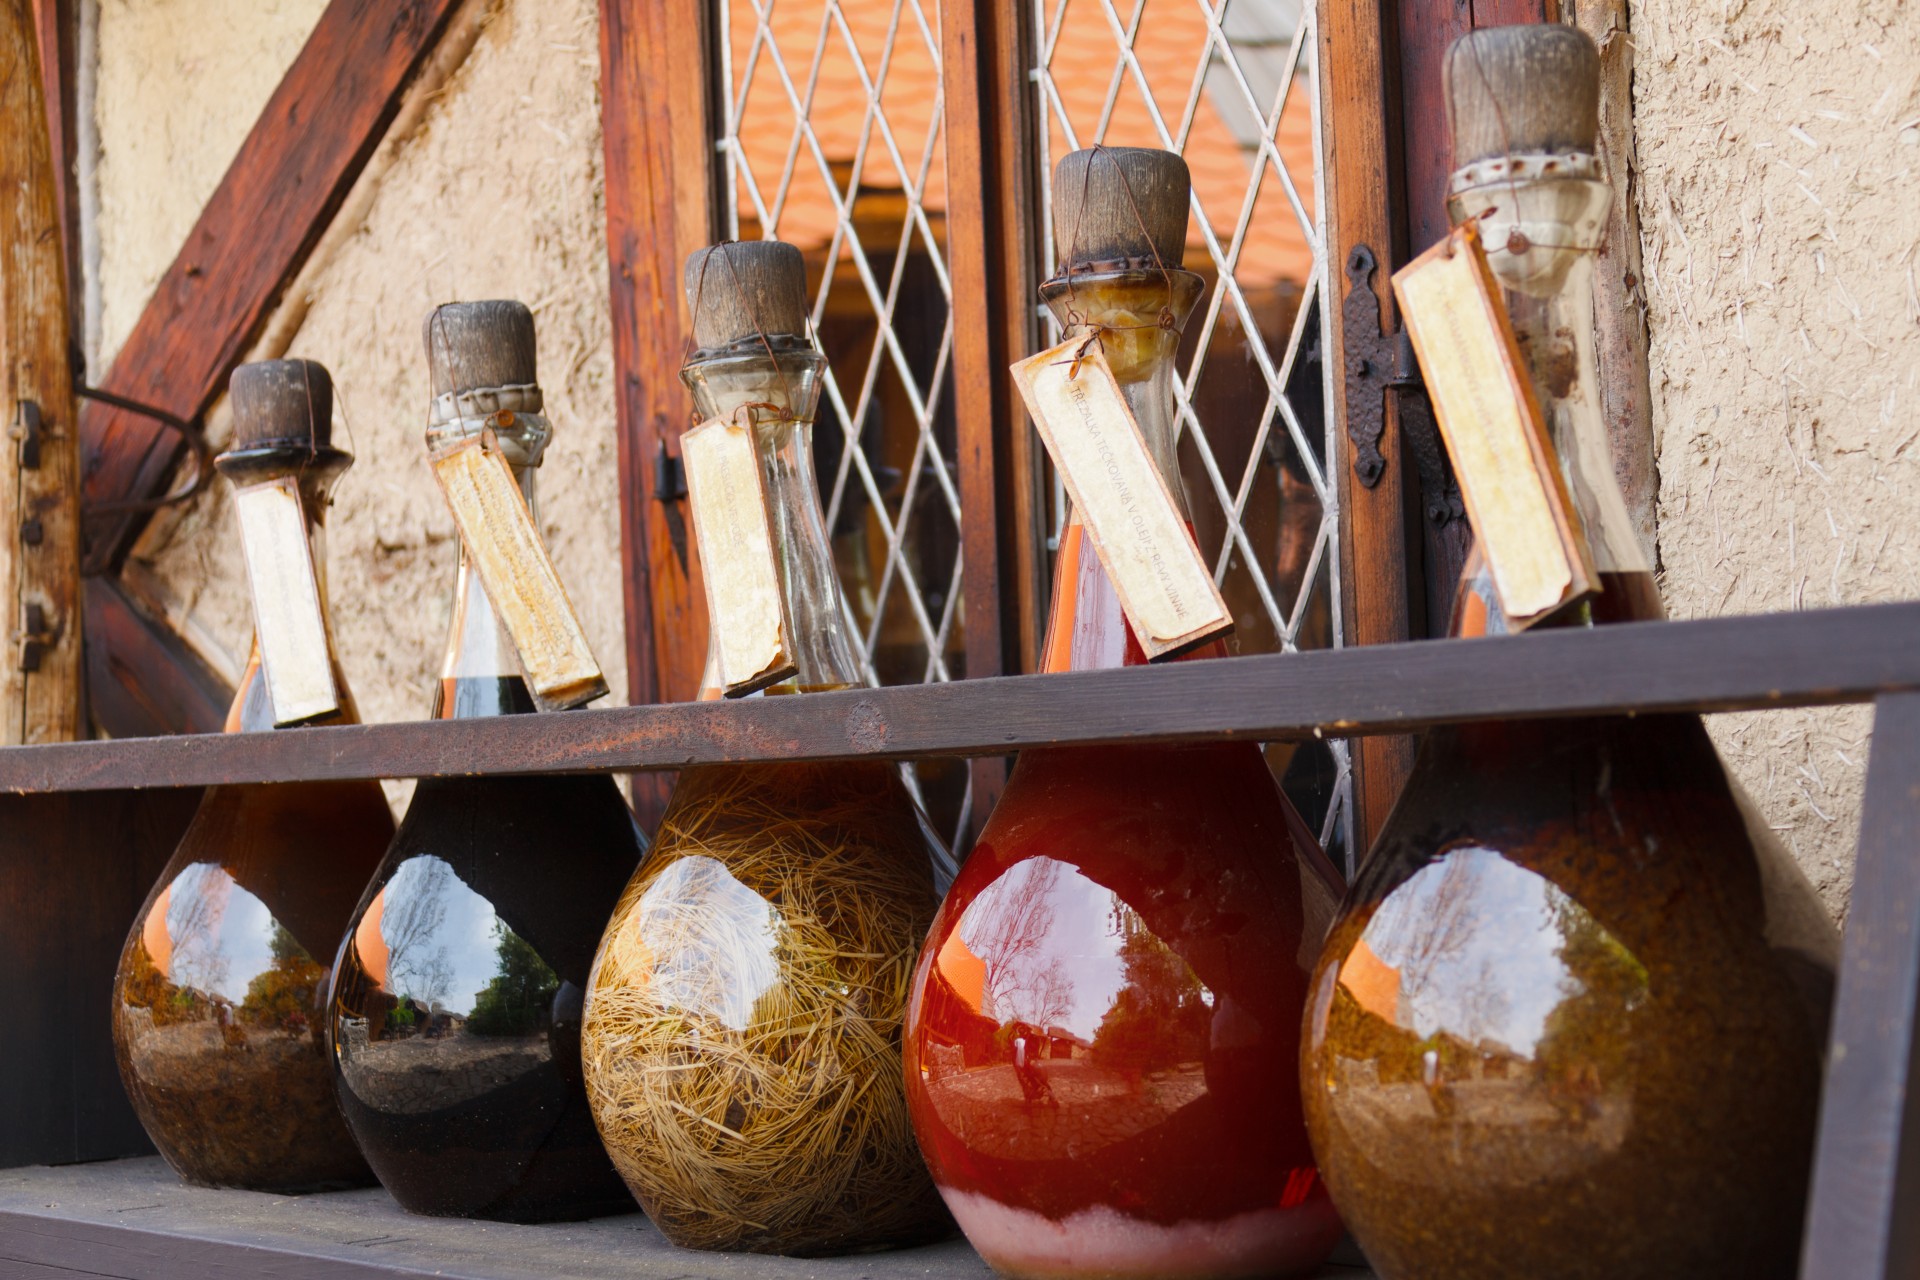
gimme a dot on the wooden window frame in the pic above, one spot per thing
(662, 172)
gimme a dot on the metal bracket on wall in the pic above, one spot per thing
(670, 490)
(1369, 356)
(35, 637)
(1376, 364)
(1440, 498)
(193, 432)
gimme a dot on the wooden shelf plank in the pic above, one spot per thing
(1726, 664)
(133, 1220)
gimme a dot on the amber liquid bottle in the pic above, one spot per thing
(220, 1001)
(1570, 1020)
(1105, 1019)
(455, 1016)
(742, 1042)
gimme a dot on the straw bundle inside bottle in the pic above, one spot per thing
(742, 1041)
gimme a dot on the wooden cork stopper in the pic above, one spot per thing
(282, 404)
(1120, 203)
(474, 345)
(746, 288)
(1522, 90)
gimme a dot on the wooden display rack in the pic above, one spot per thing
(132, 1219)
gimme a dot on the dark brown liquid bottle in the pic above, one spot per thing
(1570, 1020)
(742, 1044)
(219, 1006)
(1104, 1030)
(455, 1017)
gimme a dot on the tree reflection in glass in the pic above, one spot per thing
(456, 1011)
(1097, 1036)
(1507, 1007)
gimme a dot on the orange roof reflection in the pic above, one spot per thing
(155, 935)
(1171, 47)
(965, 972)
(1373, 983)
(368, 942)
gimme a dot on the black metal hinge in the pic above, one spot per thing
(1378, 363)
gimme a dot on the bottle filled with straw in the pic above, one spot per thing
(743, 1020)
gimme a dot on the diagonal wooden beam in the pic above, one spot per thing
(296, 166)
(143, 681)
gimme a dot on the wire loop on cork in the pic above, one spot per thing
(1119, 209)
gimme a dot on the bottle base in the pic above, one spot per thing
(303, 1187)
(791, 1247)
(1111, 1245)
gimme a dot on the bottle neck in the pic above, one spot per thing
(1542, 237)
(252, 709)
(1138, 316)
(1555, 334)
(481, 675)
(777, 393)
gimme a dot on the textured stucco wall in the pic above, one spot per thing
(496, 193)
(179, 85)
(1779, 145)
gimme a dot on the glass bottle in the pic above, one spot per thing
(1104, 1027)
(1570, 1020)
(456, 1002)
(742, 1044)
(219, 1002)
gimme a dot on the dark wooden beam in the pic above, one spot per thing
(41, 671)
(1780, 660)
(656, 120)
(1864, 1222)
(296, 166)
(1377, 590)
(990, 226)
(142, 679)
(56, 25)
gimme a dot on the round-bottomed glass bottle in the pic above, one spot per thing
(220, 1001)
(742, 1043)
(1570, 1020)
(1105, 1021)
(455, 1017)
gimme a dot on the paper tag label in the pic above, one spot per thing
(1122, 499)
(499, 533)
(1509, 474)
(287, 615)
(746, 614)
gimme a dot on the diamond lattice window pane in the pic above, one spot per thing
(1229, 85)
(833, 140)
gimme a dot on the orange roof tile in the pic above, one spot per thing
(1170, 47)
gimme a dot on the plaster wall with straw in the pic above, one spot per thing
(1778, 190)
(487, 186)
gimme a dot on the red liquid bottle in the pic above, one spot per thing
(1104, 1022)
(455, 1016)
(220, 1002)
(1570, 1021)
